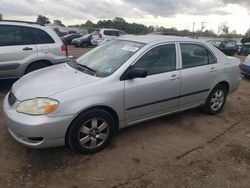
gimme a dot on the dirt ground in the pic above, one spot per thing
(188, 149)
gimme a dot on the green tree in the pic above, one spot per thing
(42, 20)
(58, 22)
(1, 16)
(89, 24)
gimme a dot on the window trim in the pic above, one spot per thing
(177, 59)
(199, 44)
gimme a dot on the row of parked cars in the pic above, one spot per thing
(231, 47)
(94, 38)
(130, 79)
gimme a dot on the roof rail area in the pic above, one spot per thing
(28, 22)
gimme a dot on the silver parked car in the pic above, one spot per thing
(123, 82)
(25, 47)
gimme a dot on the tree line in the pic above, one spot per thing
(135, 28)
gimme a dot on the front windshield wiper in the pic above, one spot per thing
(85, 67)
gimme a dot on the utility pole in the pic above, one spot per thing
(193, 26)
(202, 25)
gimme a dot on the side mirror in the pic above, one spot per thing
(132, 73)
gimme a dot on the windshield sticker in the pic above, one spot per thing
(109, 70)
(130, 48)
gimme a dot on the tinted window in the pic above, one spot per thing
(158, 60)
(111, 32)
(14, 35)
(41, 37)
(195, 55)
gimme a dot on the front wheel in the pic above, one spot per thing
(91, 131)
(215, 100)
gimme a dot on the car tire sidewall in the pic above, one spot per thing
(72, 136)
(84, 44)
(207, 107)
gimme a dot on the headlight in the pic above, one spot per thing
(37, 106)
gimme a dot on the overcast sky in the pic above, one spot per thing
(168, 13)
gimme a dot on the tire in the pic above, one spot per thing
(84, 45)
(91, 131)
(216, 100)
(35, 66)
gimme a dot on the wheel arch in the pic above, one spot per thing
(225, 84)
(49, 63)
(106, 108)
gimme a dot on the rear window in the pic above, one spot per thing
(14, 35)
(41, 37)
(111, 32)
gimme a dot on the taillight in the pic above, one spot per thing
(100, 35)
(64, 49)
(241, 66)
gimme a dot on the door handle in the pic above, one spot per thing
(174, 77)
(27, 48)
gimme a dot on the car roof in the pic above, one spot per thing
(155, 38)
(27, 24)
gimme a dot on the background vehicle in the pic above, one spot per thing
(125, 81)
(228, 47)
(245, 67)
(105, 34)
(84, 41)
(245, 49)
(68, 38)
(25, 47)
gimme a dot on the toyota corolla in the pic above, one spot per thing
(120, 83)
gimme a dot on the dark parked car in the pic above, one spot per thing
(228, 47)
(68, 38)
(84, 41)
(245, 49)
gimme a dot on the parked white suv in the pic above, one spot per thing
(99, 36)
(25, 47)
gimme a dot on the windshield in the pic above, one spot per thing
(106, 59)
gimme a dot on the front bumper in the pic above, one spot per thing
(35, 131)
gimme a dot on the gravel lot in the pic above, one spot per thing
(187, 149)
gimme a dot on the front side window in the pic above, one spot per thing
(158, 60)
(195, 55)
(107, 58)
(14, 35)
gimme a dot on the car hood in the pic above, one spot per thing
(49, 81)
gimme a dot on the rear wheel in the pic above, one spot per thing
(215, 100)
(84, 45)
(91, 131)
(36, 65)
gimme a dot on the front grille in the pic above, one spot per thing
(11, 98)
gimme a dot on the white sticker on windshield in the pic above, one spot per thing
(130, 48)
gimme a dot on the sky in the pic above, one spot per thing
(180, 14)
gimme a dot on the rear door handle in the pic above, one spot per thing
(27, 48)
(174, 77)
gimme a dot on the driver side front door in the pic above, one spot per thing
(158, 93)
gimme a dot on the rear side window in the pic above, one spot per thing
(195, 55)
(15, 35)
(111, 32)
(41, 37)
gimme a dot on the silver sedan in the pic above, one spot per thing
(120, 83)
